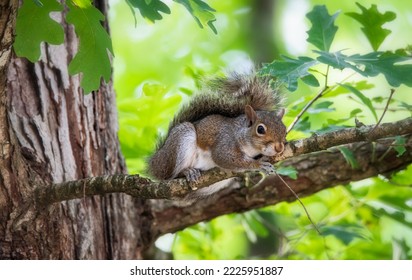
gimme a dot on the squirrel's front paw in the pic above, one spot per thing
(267, 167)
(192, 174)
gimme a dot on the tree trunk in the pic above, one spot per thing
(50, 132)
(261, 31)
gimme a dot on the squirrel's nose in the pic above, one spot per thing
(279, 147)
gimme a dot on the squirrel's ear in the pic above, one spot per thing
(280, 113)
(250, 115)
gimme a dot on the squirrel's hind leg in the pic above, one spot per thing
(177, 153)
(184, 135)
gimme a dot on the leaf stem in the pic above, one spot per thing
(301, 203)
(324, 89)
(384, 111)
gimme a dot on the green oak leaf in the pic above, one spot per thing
(201, 12)
(38, 3)
(399, 147)
(92, 58)
(82, 3)
(289, 70)
(289, 171)
(303, 125)
(349, 157)
(352, 114)
(401, 249)
(150, 9)
(310, 80)
(396, 201)
(133, 12)
(362, 97)
(253, 222)
(321, 107)
(395, 208)
(391, 65)
(337, 60)
(323, 30)
(406, 106)
(372, 21)
(346, 232)
(34, 26)
(360, 85)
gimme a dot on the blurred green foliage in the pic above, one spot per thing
(211, 240)
(157, 66)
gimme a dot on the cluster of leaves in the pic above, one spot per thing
(34, 26)
(152, 9)
(321, 35)
(377, 202)
(222, 238)
(393, 65)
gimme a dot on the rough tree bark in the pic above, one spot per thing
(51, 133)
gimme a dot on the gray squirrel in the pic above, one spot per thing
(232, 123)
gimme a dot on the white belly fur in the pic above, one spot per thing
(203, 160)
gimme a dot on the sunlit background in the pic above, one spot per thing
(157, 66)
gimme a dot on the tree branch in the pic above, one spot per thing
(138, 186)
(134, 185)
(316, 171)
(345, 136)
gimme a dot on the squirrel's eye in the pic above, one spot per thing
(261, 129)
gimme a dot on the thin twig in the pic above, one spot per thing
(384, 111)
(324, 90)
(392, 110)
(385, 153)
(307, 214)
(301, 203)
(326, 77)
(306, 108)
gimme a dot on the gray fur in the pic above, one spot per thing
(228, 96)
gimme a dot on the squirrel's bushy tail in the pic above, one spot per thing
(228, 96)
